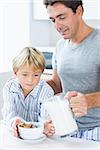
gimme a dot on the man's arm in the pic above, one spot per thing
(93, 100)
(55, 83)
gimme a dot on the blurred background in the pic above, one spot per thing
(26, 23)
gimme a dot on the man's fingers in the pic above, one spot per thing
(79, 111)
(71, 94)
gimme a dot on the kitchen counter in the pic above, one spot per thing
(9, 142)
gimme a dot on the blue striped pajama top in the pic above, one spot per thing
(27, 108)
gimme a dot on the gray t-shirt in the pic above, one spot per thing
(78, 67)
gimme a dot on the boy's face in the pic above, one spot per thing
(28, 78)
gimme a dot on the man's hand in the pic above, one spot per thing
(78, 103)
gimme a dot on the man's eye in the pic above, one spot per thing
(62, 17)
(52, 20)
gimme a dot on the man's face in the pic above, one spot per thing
(65, 20)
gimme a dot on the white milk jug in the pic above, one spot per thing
(61, 115)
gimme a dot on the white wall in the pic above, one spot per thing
(14, 30)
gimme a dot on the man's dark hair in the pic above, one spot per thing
(73, 4)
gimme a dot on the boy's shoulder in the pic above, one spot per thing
(44, 83)
(45, 92)
(11, 82)
(46, 86)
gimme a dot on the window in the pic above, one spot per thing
(48, 59)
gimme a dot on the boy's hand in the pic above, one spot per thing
(14, 126)
(49, 129)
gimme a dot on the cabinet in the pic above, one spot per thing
(39, 10)
(91, 10)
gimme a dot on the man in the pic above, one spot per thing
(76, 64)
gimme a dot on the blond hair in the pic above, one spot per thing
(30, 56)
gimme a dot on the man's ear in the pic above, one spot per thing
(79, 10)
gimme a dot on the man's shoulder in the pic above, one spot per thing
(96, 36)
(97, 32)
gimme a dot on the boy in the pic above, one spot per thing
(24, 94)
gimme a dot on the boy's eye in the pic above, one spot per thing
(36, 75)
(24, 74)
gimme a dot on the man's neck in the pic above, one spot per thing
(83, 32)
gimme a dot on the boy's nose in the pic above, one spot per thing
(30, 79)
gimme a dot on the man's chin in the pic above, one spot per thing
(65, 37)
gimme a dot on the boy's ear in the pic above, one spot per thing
(15, 71)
